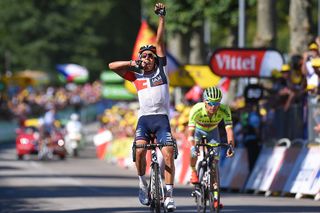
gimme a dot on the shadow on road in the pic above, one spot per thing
(18, 206)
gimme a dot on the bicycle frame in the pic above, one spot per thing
(155, 189)
(208, 171)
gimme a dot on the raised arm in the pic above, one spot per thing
(160, 10)
(122, 67)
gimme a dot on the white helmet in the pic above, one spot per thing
(74, 117)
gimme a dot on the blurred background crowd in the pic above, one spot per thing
(31, 102)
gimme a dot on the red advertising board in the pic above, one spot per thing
(245, 62)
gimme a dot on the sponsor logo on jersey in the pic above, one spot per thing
(156, 81)
(143, 82)
(206, 124)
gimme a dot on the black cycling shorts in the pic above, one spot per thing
(154, 125)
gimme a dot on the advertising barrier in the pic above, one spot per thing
(266, 168)
(182, 163)
(289, 160)
(235, 171)
(304, 178)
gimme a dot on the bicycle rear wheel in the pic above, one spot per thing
(214, 194)
(201, 197)
(155, 189)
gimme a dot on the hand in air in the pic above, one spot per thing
(160, 9)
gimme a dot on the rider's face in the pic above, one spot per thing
(148, 58)
(212, 107)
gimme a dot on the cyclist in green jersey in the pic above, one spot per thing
(204, 118)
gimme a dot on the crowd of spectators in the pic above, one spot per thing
(28, 102)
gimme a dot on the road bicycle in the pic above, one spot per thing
(156, 187)
(207, 191)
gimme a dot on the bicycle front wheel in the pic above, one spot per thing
(155, 189)
(214, 183)
(201, 191)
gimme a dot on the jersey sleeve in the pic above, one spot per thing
(162, 61)
(130, 76)
(227, 118)
(192, 116)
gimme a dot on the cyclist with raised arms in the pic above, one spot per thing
(204, 118)
(150, 78)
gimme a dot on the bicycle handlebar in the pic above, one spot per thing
(214, 145)
(151, 146)
(210, 145)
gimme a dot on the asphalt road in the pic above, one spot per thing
(86, 184)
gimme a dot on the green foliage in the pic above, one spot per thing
(39, 34)
(186, 16)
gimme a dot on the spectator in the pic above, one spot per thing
(251, 122)
(307, 69)
(285, 91)
(298, 80)
(48, 119)
(315, 63)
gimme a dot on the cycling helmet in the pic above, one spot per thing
(148, 47)
(212, 94)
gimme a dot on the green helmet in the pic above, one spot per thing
(213, 94)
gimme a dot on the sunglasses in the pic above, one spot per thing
(213, 103)
(148, 55)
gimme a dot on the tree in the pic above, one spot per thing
(265, 35)
(300, 25)
(185, 26)
(39, 34)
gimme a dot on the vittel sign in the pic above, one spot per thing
(243, 62)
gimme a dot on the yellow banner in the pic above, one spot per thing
(181, 78)
(202, 75)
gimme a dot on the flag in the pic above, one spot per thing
(194, 94)
(73, 72)
(224, 84)
(145, 36)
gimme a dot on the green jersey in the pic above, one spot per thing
(199, 118)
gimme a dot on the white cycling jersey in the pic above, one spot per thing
(153, 90)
